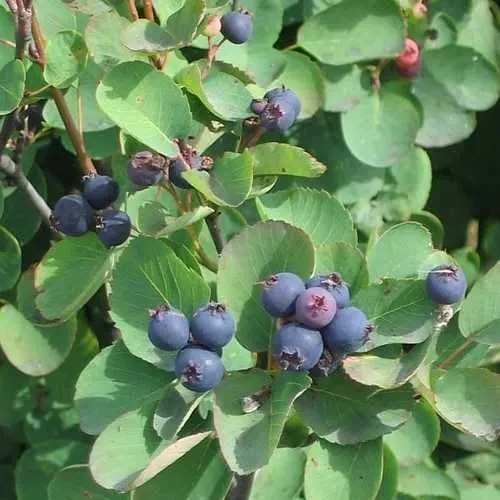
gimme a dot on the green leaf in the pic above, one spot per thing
(39, 464)
(282, 478)
(345, 412)
(422, 479)
(147, 275)
(61, 293)
(345, 86)
(10, 260)
(467, 398)
(174, 409)
(358, 30)
(480, 312)
(470, 79)
(129, 94)
(173, 224)
(34, 350)
(318, 213)
(416, 439)
(343, 472)
(446, 30)
(274, 158)
(347, 260)
(66, 56)
(223, 94)
(76, 480)
(390, 258)
(200, 473)
(12, 77)
(390, 473)
(248, 440)
(15, 387)
(103, 38)
(54, 16)
(387, 366)
(229, 181)
(114, 383)
(382, 128)
(179, 30)
(265, 248)
(400, 311)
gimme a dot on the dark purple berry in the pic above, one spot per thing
(146, 169)
(296, 347)
(212, 325)
(315, 307)
(113, 227)
(72, 215)
(168, 328)
(237, 26)
(280, 293)
(257, 106)
(175, 174)
(333, 283)
(446, 284)
(278, 115)
(284, 94)
(100, 191)
(198, 369)
(348, 331)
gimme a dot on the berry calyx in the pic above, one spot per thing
(237, 26)
(212, 325)
(280, 292)
(315, 307)
(168, 328)
(113, 227)
(446, 284)
(283, 93)
(198, 369)
(100, 191)
(334, 284)
(146, 168)
(72, 215)
(278, 115)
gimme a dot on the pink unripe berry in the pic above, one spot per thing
(212, 26)
(315, 307)
(410, 55)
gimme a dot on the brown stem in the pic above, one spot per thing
(454, 354)
(134, 14)
(148, 10)
(251, 139)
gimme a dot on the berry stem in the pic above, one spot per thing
(134, 14)
(148, 10)
(250, 139)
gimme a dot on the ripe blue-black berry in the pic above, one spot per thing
(212, 325)
(296, 347)
(284, 94)
(100, 191)
(113, 227)
(72, 215)
(446, 284)
(334, 284)
(348, 331)
(198, 369)
(146, 169)
(315, 307)
(280, 293)
(168, 328)
(257, 106)
(237, 26)
(278, 115)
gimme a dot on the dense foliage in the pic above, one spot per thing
(249, 249)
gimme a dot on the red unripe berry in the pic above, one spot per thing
(410, 55)
(212, 26)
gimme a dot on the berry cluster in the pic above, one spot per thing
(76, 214)
(321, 327)
(278, 109)
(446, 284)
(199, 342)
(147, 169)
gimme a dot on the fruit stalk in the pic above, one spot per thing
(134, 14)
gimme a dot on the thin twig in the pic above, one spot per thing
(134, 14)
(148, 10)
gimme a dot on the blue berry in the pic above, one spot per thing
(237, 26)
(175, 174)
(257, 106)
(72, 215)
(284, 94)
(278, 115)
(296, 347)
(100, 191)
(146, 169)
(212, 325)
(280, 293)
(198, 369)
(168, 329)
(348, 331)
(446, 284)
(113, 227)
(315, 307)
(334, 284)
